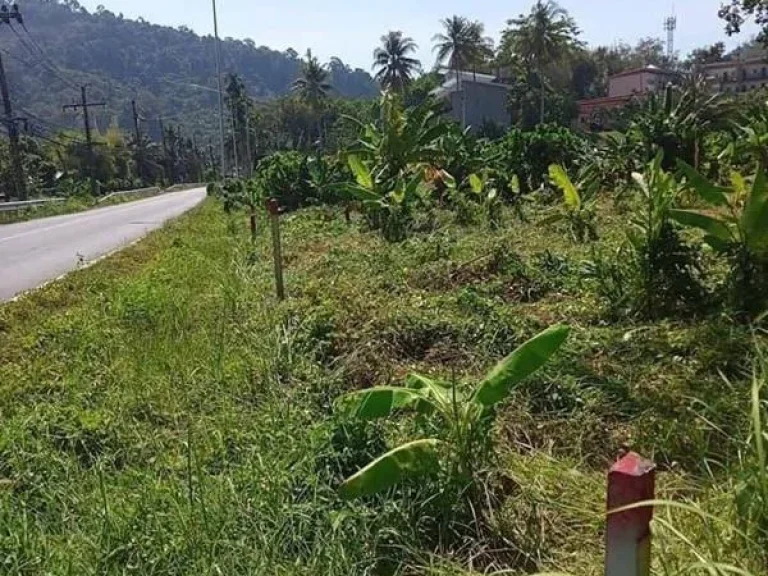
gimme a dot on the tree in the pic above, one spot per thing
(159, 67)
(239, 105)
(651, 52)
(542, 38)
(458, 47)
(702, 56)
(738, 12)
(312, 88)
(394, 67)
(312, 85)
(482, 44)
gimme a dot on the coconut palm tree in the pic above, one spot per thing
(312, 86)
(542, 38)
(457, 46)
(394, 67)
(482, 44)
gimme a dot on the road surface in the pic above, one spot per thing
(38, 251)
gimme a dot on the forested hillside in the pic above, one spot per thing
(169, 71)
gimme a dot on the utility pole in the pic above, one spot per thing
(198, 160)
(218, 81)
(234, 143)
(248, 136)
(212, 158)
(85, 105)
(19, 180)
(136, 122)
(140, 160)
(165, 151)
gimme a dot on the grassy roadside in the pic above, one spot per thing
(163, 414)
(73, 205)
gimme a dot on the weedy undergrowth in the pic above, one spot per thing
(736, 225)
(465, 418)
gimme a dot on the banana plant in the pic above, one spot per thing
(464, 415)
(320, 176)
(578, 209)
(402, 138)
(735, 225)
(475, 189)
(482, 187)
(387, 202)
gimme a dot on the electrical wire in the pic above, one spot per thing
(57, 143)
(44, 59)
(43, 53)
(50, 125)
(24, 61)
(61, 145)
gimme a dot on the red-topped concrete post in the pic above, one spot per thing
(628, 534)
(273, 208)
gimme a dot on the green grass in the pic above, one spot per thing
(162, 413)
(69, 206)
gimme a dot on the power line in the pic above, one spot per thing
(37, 45)
(42, 61)
(51, 125)
(84, 106)
(24, 61)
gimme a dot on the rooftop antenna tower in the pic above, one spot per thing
(670, 25)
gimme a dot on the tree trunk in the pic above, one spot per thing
(460, 88)
(542, 96)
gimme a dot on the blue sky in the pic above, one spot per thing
(350, 29)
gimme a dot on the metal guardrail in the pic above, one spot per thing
(153, 190)
(13, 206)
(182, 187)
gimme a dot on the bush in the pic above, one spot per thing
(285, 176)
(667, 268)
(530, 154)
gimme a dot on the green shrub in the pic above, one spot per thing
(667, 268)
(465, 418)
(285, 176)
(530, 154)
(578, 210)
(738, 228)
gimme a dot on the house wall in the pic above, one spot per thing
(637, 83)
(741, 76)
(484, 102)
(626, 85)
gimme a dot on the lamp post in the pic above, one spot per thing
(218, 81)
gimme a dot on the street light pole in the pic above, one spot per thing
(218, 80)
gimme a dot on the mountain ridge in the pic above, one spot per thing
(169, 71)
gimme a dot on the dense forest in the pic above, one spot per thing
(170, 72)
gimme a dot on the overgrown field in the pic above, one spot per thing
(162, 413)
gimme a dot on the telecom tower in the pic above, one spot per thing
(670, 25)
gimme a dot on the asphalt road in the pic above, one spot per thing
(35, 252)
